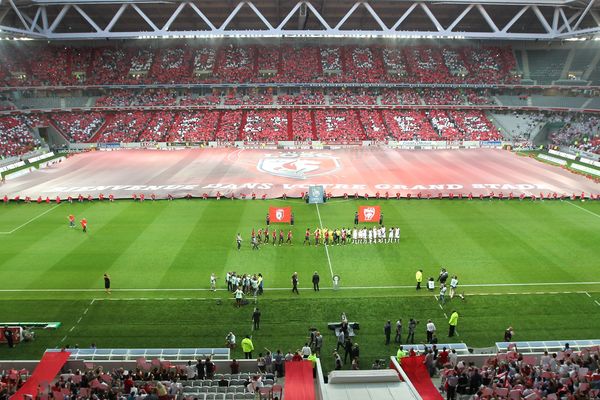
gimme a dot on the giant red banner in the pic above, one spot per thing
(280, 214)
(369, 213)
(254, 173)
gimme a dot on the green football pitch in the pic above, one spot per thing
(531, 265)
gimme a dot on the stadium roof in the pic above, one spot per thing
(457, 19)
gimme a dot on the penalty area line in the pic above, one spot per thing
(326, 249)
(30, 221)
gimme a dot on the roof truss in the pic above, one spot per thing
(557, 20)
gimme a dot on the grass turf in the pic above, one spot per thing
(167, 250)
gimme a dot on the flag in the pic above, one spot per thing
(280, 214)
(369, 213)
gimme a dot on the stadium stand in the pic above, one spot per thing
(338, 126)
(518, 126)
(63, 65)
(265, 126)
(409, 125)
(546, 65)
(78, 127)
(196, 126)
(16, 138)
(581, 132)
(303, 125)
(513, 375)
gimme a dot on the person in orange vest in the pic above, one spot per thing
(71, 221)
(84, 224)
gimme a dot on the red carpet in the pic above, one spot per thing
(46, 371)
(299, 383)
(416, 371)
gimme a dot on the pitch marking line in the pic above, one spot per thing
(416, 296)
(584, 209)
(79, 320)
(480, 285)
(30, 221)
(326, 249)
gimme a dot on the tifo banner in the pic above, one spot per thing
(280, 214)
(369, 213)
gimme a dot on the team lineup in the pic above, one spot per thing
(325, 236)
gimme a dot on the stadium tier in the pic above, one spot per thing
(37, 65)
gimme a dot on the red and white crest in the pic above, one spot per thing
(368, 213)
(279, 213)
(301, 165)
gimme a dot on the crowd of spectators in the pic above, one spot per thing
(265, 126)
(204, 59)
(305, 97)
(108, 64)
(565, 374)
(373, 125)
(394, 61)
(174, 66)
(193, 126)
(302, 126)
(260, 125)
(16, 137)
(34, 64)
(331, 59)
(362, 65)
(124, 127)
(127, 98)
(78, 127)
(409, 125)
(235, 64)
(351, 97)
(475, 125)
(338, 125)
(155, 379)
(228, 129)
(581, 132)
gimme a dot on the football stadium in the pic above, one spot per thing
(299, 199)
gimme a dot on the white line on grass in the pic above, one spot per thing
(480, 285)
(30, 221)
(395, 295)
(79, 320)
(596, 301)
(588, 295)
(326, 249)
(584, 209)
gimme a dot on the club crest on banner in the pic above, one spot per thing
(279, 213)
(298, 165)
(368, 213)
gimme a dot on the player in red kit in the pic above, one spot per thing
(280, 237)
(266, 235)
(71, 221)
(307, 237)
(274, 237)
(259, 235)
(84, 224)
(289, 237)
(317, 236)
